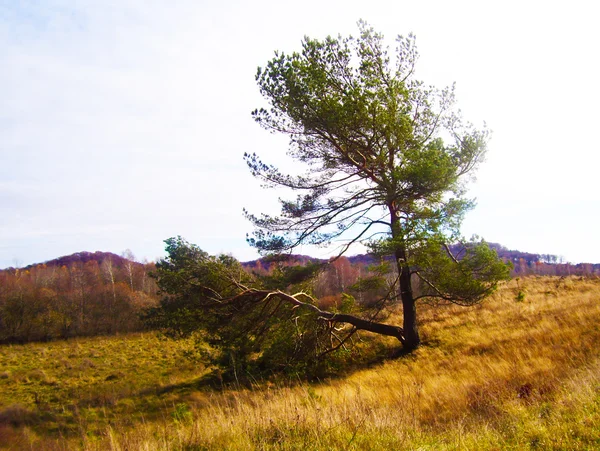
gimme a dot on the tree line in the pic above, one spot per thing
(102, 293)
(80, 295)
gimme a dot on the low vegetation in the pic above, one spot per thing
(77, 388)
(506, 374)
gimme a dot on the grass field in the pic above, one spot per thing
(520, 371)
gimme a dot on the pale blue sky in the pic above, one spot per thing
(124, 122)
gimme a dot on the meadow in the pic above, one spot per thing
(519, 371)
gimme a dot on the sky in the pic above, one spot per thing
(124, 122)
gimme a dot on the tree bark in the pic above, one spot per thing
(409, 307)
(363, 324)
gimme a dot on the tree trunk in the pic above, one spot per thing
(363, 324)
(409, 307)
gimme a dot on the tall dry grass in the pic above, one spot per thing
(505, 374)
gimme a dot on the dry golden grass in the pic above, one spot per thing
(501, 375)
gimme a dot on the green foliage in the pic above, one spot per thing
(182, 413)
(248, 331)
(466, 278)
(372, 138)
(192, 282)
(298, 277)
(347, 304)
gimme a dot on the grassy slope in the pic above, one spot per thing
(502, 375)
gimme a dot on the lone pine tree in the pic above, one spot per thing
(386, 159)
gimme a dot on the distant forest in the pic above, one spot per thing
(101, 293)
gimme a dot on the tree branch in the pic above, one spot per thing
(358, 323)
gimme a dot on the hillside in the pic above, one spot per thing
(505, 374)
(82, 294)
(523, 261)
(84, 257)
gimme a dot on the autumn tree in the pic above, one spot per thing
(81, 297)
(386, 160)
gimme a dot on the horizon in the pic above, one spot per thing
(560, 261)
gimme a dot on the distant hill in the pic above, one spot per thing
(524, 262)
(84, 257)
(368, 259)
(83, 294)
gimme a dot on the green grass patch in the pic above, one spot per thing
(61, 388)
